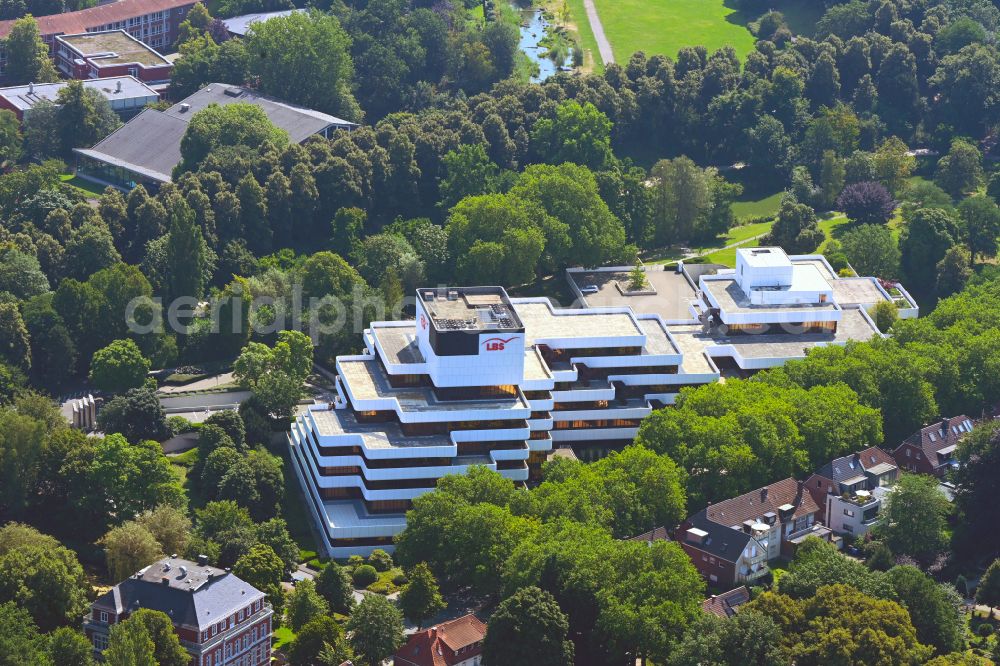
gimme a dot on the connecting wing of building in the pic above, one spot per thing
(479, 378)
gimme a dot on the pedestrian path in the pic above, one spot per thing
(603, 45)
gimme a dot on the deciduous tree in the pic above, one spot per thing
(528, 627)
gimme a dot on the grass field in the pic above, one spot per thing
(754, 208)
(665, 26)
(580, 27)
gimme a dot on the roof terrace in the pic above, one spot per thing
(542, 322)
(366, 380)
(114, 47)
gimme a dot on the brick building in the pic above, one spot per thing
(458, 642)
(931, 450)
(220, 619)
(731, 542)
(153, 22)
(94, 55)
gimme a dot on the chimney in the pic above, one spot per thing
(118, 86)
(763, 494)
(944, 427)
(31, 87)
(202, 560)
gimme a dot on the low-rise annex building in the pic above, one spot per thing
(479, 378)
(218, 617)
(126, 95)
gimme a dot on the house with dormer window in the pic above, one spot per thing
(455, 643)
(731, 542)
(850, 490)
(931, 450)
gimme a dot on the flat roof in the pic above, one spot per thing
(857, 291)
(730, 297)
(399, 343)
(694, 343)
(26, 97)
(387, 435)
(541, 321)
(819, 265)
(367, 381)
(535, 367)
(764, 257)
(353, 513)
(657, 340)
(113, 47)
(672, 299)
(470, 309)
(240, 25)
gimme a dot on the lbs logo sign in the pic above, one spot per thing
(496, 344)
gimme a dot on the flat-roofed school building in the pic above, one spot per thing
(94, 55)
(126, 95)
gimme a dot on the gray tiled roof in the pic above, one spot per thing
(848, 467)
(199, 597)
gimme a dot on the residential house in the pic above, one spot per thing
(219, 618)
(724, 605)
(655, 534)
(850, 490)
(454, 643)
(931, 450)
(731, 542)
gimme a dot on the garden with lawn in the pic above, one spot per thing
(666, 26)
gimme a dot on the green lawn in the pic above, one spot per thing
(88, 188)
(757, 207)
(665, 26)
(581, 28)
(282, 637)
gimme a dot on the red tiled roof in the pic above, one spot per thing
(438, 645)
(754, 504)
(70, 23)
(724, 605)
(940, 435)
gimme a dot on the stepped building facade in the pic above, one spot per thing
(479, 378)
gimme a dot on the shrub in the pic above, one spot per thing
(985, 630)
(355, 561)
(380, 559)
(364, 576)
(400, 579)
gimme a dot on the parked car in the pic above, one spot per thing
(589, 289)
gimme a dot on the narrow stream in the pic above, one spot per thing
(534, 29)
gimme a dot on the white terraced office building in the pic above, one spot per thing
(479, 378)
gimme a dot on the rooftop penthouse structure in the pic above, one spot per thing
(770, 309)
(479, 378)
